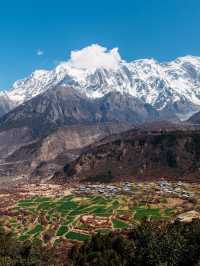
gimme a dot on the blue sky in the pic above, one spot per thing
(37, 34)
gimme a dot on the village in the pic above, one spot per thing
(108, 190)
(105, 189)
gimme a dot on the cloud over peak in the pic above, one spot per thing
(95, 56)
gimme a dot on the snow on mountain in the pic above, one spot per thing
(25, 89)
(5, 103)
(172, 87)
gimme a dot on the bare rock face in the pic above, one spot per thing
(10, 141)
(66, 144)
(76, 137)
(13, 139)
(43, 157)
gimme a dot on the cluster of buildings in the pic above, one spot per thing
(106, 190)
(175, 189)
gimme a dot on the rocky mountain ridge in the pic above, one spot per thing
(137, 154)
(172, 88)
(66, 106)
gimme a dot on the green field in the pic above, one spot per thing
(119, 224)
(62, 230)
(44, 217)
(77, 236)
(146, 213)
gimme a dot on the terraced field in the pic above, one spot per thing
(75, 217)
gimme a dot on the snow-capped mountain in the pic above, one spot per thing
(173, 88)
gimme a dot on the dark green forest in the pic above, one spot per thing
(149, 244)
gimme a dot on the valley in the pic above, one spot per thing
(61, 214)
(100, 133)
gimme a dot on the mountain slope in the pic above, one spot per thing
(40, 159)
(143, 155)
(66, 106)
(5, 103)
(194, 119)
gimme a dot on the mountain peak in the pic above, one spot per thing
(40, 73)
(146, 61)
(188, 58)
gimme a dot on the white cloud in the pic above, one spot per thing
(95, 56)
(40, 52)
